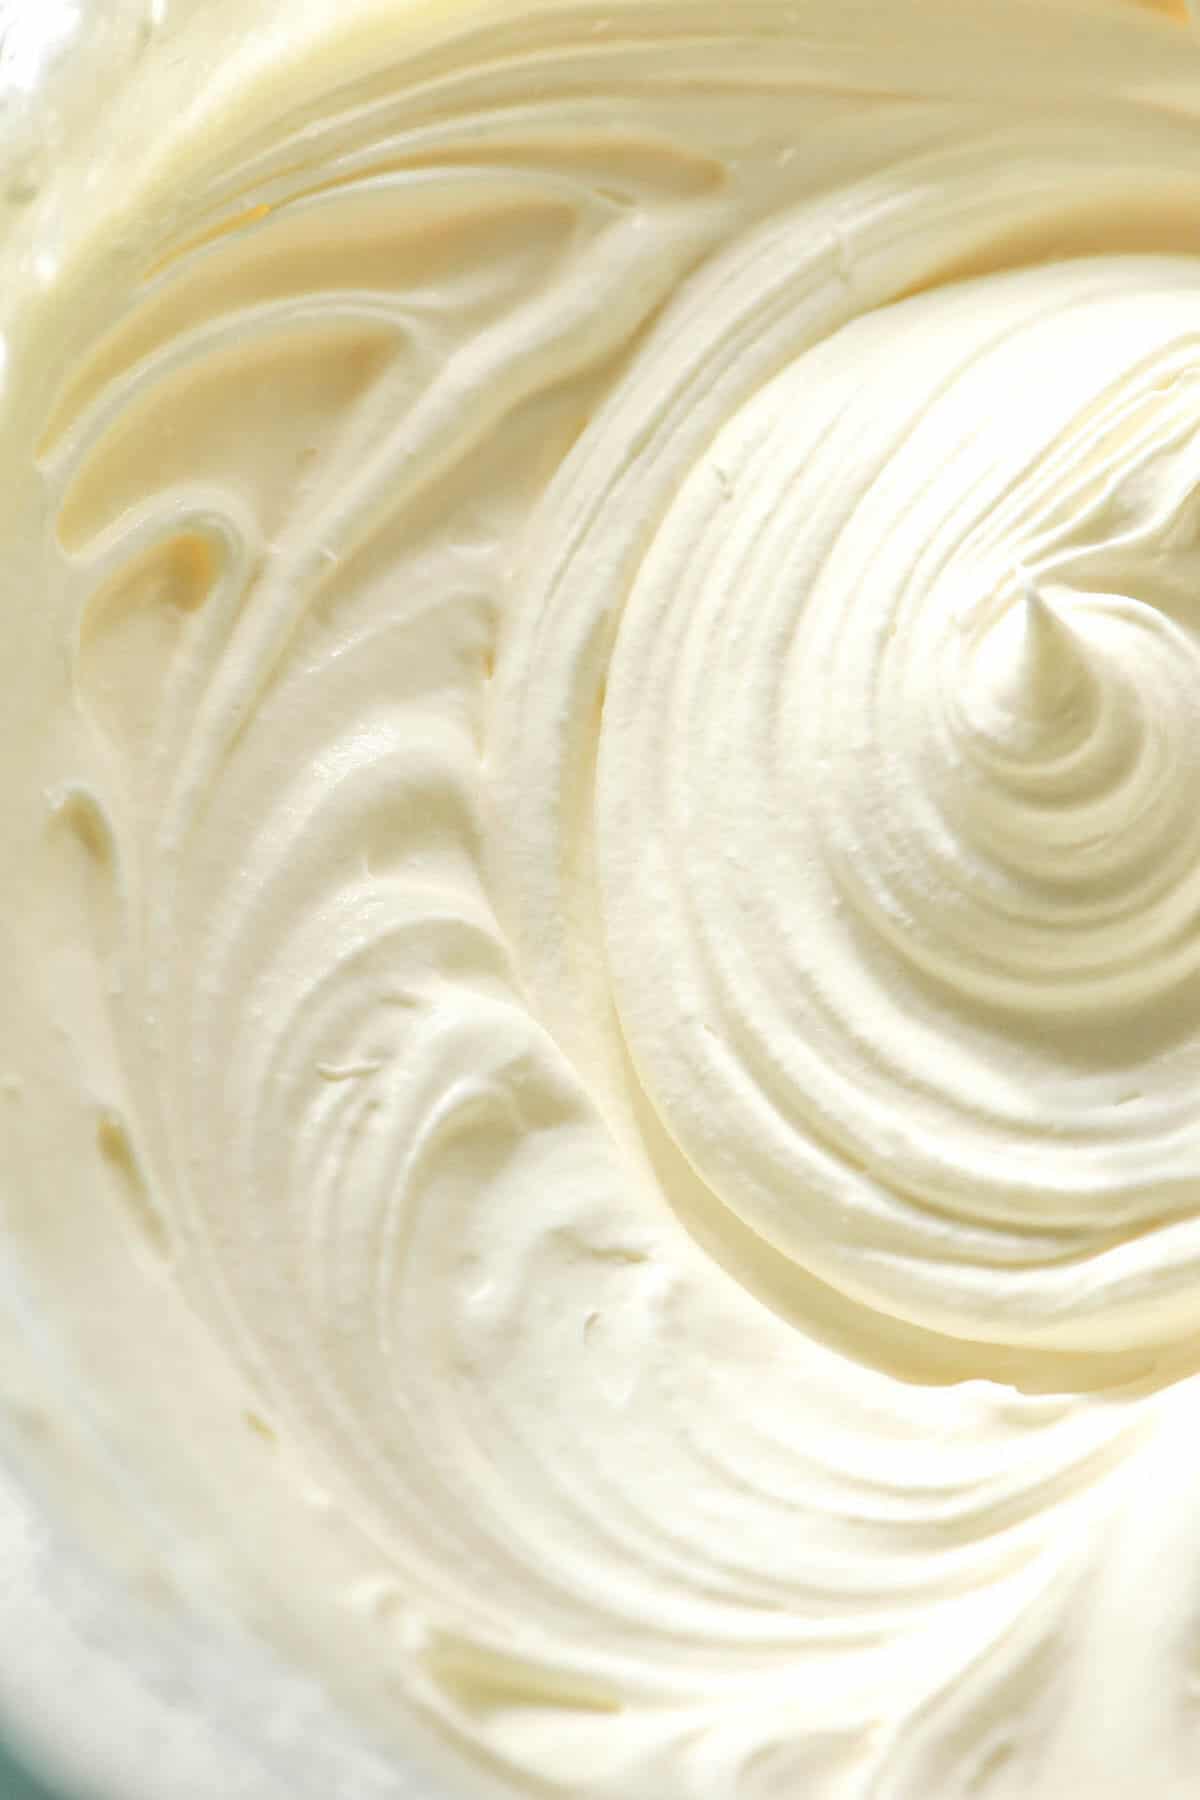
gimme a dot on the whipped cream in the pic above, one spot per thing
(598, 783)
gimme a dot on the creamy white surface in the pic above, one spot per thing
(599, 761)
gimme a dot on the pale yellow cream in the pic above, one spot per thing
(600, 807)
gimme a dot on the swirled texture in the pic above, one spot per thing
(600, 768)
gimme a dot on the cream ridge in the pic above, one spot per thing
(600, 803)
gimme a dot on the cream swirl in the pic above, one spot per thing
(600, 789)
(899, 804)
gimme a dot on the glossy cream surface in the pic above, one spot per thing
(600, 795)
